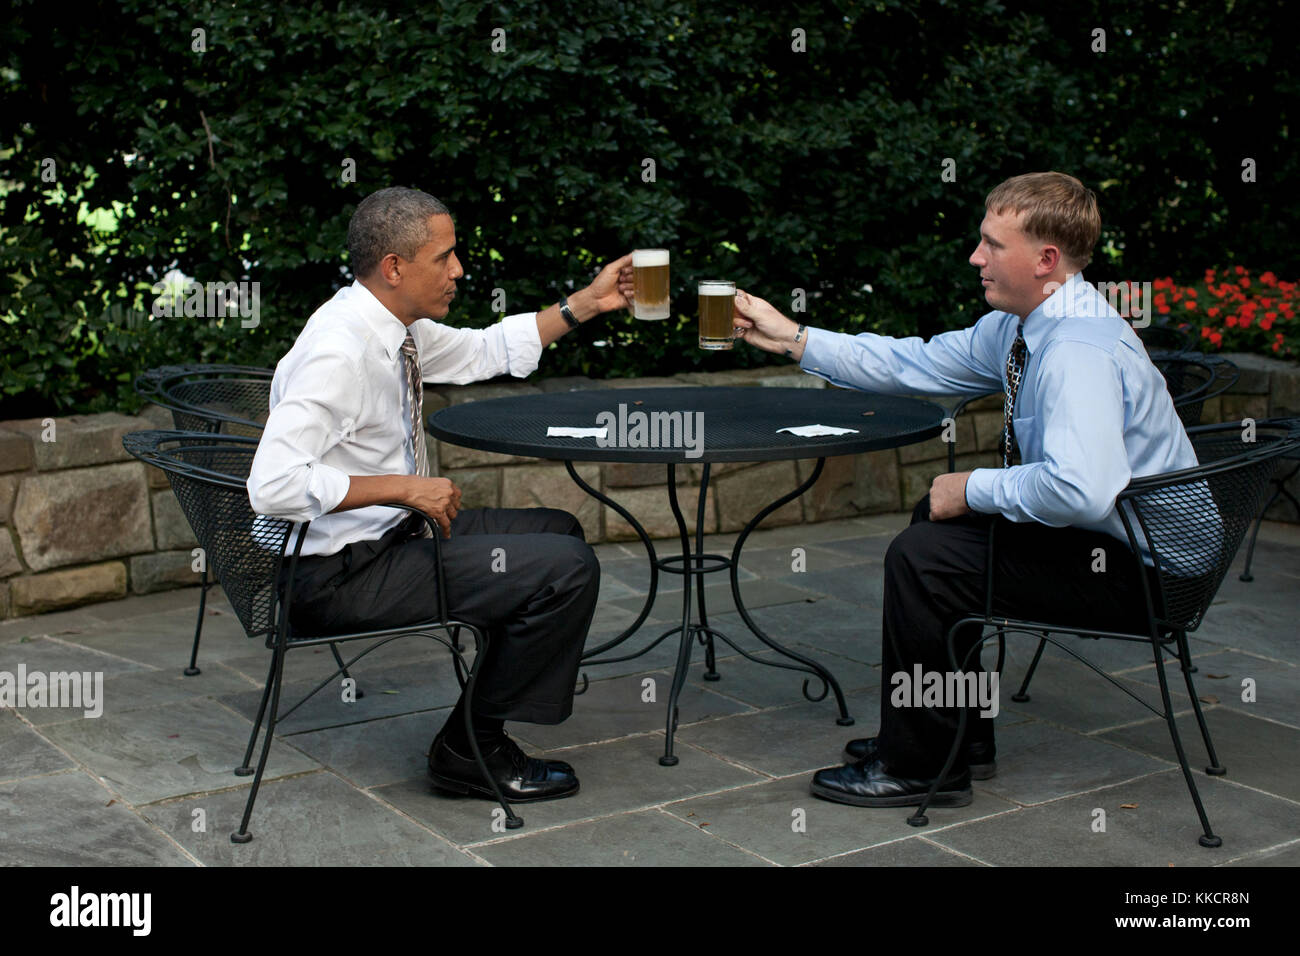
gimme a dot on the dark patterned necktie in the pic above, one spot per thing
(1015, 368)
(415, 401)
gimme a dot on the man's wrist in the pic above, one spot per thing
(796, 340)
(583, 305)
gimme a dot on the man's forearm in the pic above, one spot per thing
(366, 490)
(551, 324)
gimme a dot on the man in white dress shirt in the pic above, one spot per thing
(345, 435)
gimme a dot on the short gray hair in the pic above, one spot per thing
(395, 219)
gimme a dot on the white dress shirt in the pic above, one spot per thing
(339, 408)
(1091, 413)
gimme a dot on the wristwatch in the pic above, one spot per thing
(567, 312)
(798, 337)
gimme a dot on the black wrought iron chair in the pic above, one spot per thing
(217, 399)
(1194, 521)
(1162, 336)
(223, 399)
(1194, 379)
(1280, 480)
(248, 552)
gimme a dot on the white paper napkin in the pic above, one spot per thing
(814, 431)
(560, 431)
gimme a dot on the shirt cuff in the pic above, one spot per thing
(979, 489)
(818, 353)
(523, 343)
(327, 486)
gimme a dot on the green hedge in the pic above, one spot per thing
(818, 169)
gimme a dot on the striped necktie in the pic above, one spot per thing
(415, 402)
(1015, 368)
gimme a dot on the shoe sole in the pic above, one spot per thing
(474, 790)
(944, 798)
(978, 771)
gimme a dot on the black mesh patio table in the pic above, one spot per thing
(684, 426)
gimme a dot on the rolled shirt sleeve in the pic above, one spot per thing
(320, 407)
(1082, 464)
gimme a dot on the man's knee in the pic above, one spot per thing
(572, 555)
(555, 521)
(922, 510)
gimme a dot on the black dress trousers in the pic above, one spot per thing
(526, 576)
(935, 574)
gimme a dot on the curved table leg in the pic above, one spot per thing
(808, 664)
(650, 597)
(683, 667)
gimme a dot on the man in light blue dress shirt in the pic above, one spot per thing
(1090, 413)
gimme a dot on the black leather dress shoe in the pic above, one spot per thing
(980, 755)
(866, 783)
(521, 778)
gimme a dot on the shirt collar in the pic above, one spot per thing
(386, 326)
(1040, 322)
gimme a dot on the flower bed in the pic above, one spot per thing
(1234, 311)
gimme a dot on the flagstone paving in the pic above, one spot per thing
(1086, 776)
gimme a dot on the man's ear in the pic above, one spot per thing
(388, 270)
(1049, 258)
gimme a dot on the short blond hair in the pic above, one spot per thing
(1054, 208)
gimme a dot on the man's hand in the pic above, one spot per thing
(762, 326)
(436, 497)
(612, 287)
(948, 496)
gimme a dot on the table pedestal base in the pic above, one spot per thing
(696, 563)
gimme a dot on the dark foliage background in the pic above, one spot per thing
(818, 170)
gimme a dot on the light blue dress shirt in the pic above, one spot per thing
(1092, 411)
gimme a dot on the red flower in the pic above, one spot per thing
(1245, 319)
(1268, 278)
(1205, 332)
(1266, 322)
(1212, 311)
(1230, 322)
(1240, 271)
(1244, 282)
(1189, 305)
(1216, 339)
(1162, 309)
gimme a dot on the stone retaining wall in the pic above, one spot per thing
(82, 521)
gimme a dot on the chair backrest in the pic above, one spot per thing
(1194, 520)
(245, 550)
(1192, 380)
(221, 399)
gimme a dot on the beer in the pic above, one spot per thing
(650, 283)
(716, 300)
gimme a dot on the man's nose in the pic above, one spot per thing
(456, 270)
(976, 259)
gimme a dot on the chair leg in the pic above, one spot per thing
(338, 659)
(457, 662)
(1215, 769)
(193, 669)
(243, 770)
(1207, 838)
(1254, 536)
(1022, 695)
(1279, 489)
(513, 822)
(277, 676)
